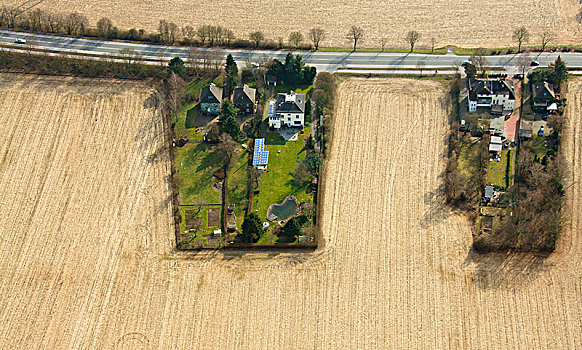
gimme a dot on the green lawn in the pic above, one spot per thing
(496, 170)
(195, 164)
(275, 183)
(301, 89)
(186, 116)
(467, 154)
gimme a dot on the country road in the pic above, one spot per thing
(361, 62)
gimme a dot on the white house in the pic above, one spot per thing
(497, 94)
(287, 111)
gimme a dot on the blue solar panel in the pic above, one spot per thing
(260, 156)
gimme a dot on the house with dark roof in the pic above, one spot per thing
(497, 94)
(543, 94)
(289, 111)
(210, 99)
(243, 98)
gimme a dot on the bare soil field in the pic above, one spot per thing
(456, 22)
(87, 260)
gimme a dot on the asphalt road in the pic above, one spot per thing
(364, 62)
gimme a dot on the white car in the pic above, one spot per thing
(20, 41)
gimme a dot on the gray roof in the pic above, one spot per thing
(543, 90)
(211, 94)
(243, 94)
(291, 102)
(490, 87)
(489, 191)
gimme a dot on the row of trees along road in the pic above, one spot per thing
(168, 32)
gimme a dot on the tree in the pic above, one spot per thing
(480, 61)
(412, 38)
(228, 36)
(252, 228)
(231, 71)
(316, 35)
(203, 33)
(167, 31)
(295, 38)
(227, 120)
(175, 89)
(104, 27)
(129, 55)
(53, 22)
(75, 23)
(8, 16)
(301, 175)
(176, 65)
(227, 149)
(523, 63)
(188, 33)
(546, 37)
(382, 43)
(432, 44)
(521, 35)
(355, 34)
(470, 70)
(292, 228)
(256, 38)
(312, 163)
(559, 72)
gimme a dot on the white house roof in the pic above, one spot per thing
(495, 147)
(496, 139)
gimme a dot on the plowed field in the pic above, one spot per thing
(455, 22)
(86, 247)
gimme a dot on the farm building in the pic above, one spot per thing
(260, 156)
(498, 94)
(289, 111)
(210, 99)
(243, 98)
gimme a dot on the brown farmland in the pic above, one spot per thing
(87, 260)
(456, 22)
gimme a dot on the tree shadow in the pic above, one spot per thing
(506, 269)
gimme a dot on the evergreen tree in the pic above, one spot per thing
(228, 110)
(176, 65)
(252, 228)
(231, 127)
(231, 71)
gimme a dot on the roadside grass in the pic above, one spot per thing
(496, 170)
(436, 51)
(195, 164)
(276, 182)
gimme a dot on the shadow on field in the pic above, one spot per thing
(506, 270)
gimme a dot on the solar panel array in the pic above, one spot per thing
(260, 156)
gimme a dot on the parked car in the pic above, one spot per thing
(518, 76)
(541, 132)
(534, 63)
(465, 63)
(20, 41)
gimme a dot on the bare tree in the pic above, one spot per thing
(104, 27)
(35, 19)
(227, 149)
(75, 23)
(355, 34)
(203, 33)
(215, 57)
(523, 63)
(175, 87)
(479, 60)
(256, 38)
(215, 34)
(316, 35)
(521, 35)
(129, 56)
(382, 43)
(8, 16)
(432, 44)
(228, 36)
(54, 22)
(546, 37)
(412, 38)
(295, 38)
(188, 33)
